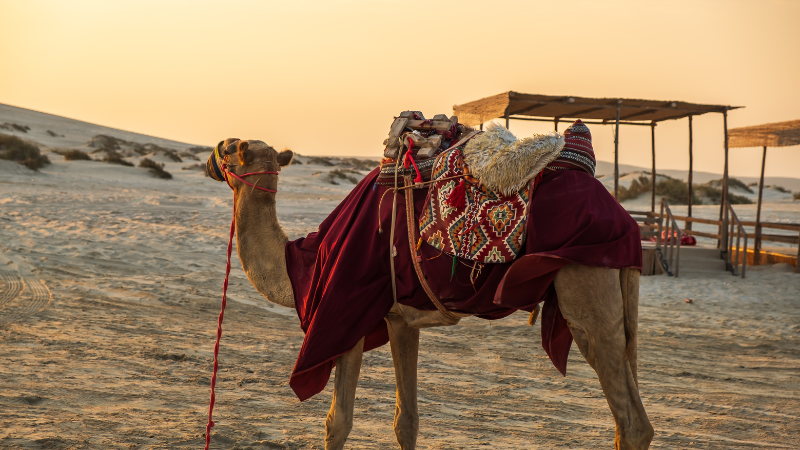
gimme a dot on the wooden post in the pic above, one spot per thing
(797, 267)
(723, 211)
(653, 172)
(616, 158)
(555, 122)
(688, 225)
(507, 117)
(757, 245)
(481, 126)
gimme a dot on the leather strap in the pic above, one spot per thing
(416, 259)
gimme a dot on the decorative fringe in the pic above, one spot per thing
(453, 270)
(419, 243)
(458, 197)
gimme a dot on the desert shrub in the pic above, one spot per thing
(335, 174)
(676, 191)
(15, 127)
(782, 189)
(736, 183)
(796, 196)
(636, 188)
(76, 155)
(732, 184)
(155, 168)
(113, 157)
(739, 199)
(198, 166)
(13, 148)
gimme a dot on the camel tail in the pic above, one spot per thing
(629, 284)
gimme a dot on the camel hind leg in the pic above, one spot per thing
(591, 299)
(629, 284)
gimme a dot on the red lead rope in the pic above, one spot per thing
(225, 294)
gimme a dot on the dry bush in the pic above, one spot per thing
(13, 148)
(113, 157)
(677, 191)
(155, 168)
(76, 155)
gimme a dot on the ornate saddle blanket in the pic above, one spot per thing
(483, 218)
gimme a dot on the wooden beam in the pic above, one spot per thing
(531, 108)
(586, 111)
(595, 122)
(697, 219)
(640, 113)
(688, 225)
(708, 235)
(774, 225)
(757, 245)
(653, 172)
(614, 102)
(616, 158)
(723, 211)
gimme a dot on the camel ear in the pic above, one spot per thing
(285, 158)
(245, 155)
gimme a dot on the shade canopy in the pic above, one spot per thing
(517, 105)
(777, 134)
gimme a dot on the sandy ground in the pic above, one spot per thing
(110, 293)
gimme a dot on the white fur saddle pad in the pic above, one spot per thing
(504, 164)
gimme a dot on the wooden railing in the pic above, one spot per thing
(650, 224)
(757, 236)
(737, 228)
(670, 257)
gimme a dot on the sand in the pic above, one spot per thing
(109, 297)
(118, 353)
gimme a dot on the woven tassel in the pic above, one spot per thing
(453, 270)
(458, 196)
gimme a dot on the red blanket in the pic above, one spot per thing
(342, 283)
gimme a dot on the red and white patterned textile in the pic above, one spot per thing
(489, 228)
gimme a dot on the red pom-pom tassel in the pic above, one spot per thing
(458, 197)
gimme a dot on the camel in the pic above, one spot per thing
(600, 305)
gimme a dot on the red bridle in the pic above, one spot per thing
(225, 288)
(239, 177)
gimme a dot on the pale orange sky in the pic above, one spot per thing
(326, 77)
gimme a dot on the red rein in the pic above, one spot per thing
(225, 290)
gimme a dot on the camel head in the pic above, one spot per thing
(242, 157)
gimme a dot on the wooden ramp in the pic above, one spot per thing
(700, 261)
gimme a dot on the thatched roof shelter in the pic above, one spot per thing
(516, 105)
(778, 134)
(603, 111)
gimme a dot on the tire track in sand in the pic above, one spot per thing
(21, 296)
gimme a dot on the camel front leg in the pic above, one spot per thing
(591, 300)
(340, 417)
(404, 342)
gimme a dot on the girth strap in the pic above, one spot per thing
(415, 258)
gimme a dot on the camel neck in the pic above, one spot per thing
(260, 243)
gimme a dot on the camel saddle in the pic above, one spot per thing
(477, 203)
